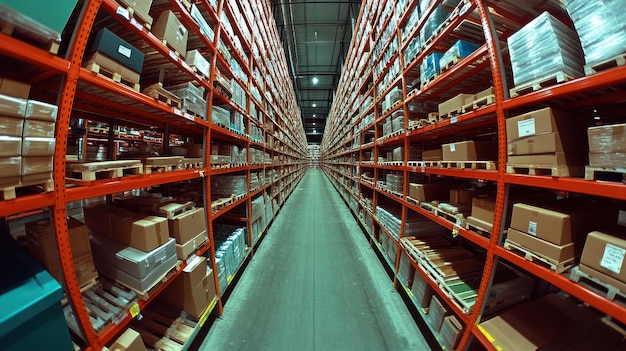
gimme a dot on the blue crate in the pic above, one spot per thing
(31, 317)
(460, 49)
(430, 66)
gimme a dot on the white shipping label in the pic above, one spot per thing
(452, 147)
(532, 228)
(124, 51)
(613, 258)
(526, 127)
(123, 12)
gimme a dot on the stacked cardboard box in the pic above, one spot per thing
(114, 54)
(197, 61)
(188, 228)
(231, 247)
(546, 138)
(42, 245)
(191, 98)
(171, 31)
(603, 258)
(228, 185)
(130, 340)
(458, 50)
(454, 104)
(437, 311)
(607, 146)
(193, 289)
(470, 151)
(483, 209)
(430, 191)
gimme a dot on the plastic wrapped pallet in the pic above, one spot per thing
(228, 185)
(205, 29)
(543, 48)
(434, 21)
(459, 50)
(191, 97)
(430, 66)
(600, 26)
(220, 116)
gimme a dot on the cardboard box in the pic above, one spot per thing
(41, 111)
(470, 151)
(114, 66)
(195, 59)
(483, 94)
(483, 208)
(14, 88)
(188, 225)
(545, 143)
(195, 150)
(10, 167)
(12, 107)
(555, 159)
(10, 146)
(11, 126)
(558, 226)
(185, 250)
(38, 129)
(450, 332)
(36, 165)
(421, 290)
(607, 139)
(461, 196)
(479, 223)
(546, 120)
(432, 155)
(190, 290)
(608, 160)
(117, 49)
(558, 253)
(141, 8)
(605, 253)
(429, 191)
(398, 154)
(142, 232)
(34, 146)
(169, 28)
(436, 313)
(454, 103)
(130, 340)
(142, 284)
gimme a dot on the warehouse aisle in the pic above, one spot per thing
(315, 284)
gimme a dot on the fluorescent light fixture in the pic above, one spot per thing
(315, 80)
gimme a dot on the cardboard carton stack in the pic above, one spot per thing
(171, 32)
(193, 290)
(430, 191)
(556, 231)
(130, 248)
(113, 54)
(191, 98)
(470, 151)
(141, 9)
(546, 138)
(607, 146)
(483, 209)
(603, 258)
(130, 340)
(42, 245)
(187, 225)
(454, 105)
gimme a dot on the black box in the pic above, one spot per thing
(119, 50)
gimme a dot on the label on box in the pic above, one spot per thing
(452, 147)
(613, 258)
(453, 120)
(123, 12)
(136, 24)
(526, 127)
(124, 51)
(532, 228)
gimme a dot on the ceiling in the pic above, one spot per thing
(316, 36)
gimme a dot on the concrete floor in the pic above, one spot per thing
(315, 284)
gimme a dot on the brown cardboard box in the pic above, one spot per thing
(430, 191)
(454, 103)
(545, 143)
(605, 253)
(470, 151)
(483, 94)
(479, 223)
(141, 8)
(608, 160)
(422, 291)
(12, 107)
(461, 196)
(190, 290)
(142, 232)
(212, 292)
(188, 225)
(558, 226)
(554, 159)
(607, 139)
(10, 167)
(41, 111)
(195, 150)
(12, 126)
(169, 28)
(112, 65)
(432, 155)
(40, 129)
(483, 208)
(36, 165)
(558, 253)
(34, 146)
(546, 120)
(531, 326)
(130, 340)
(14, 88)
(10, 146)
(436, 313)
(603, 277)
(398, 154)
(185, 250)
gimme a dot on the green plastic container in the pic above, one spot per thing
(31, 317)
(48, 14)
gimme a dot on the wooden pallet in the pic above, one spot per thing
(144, 21)
(426, 82)
(157, 92)
(98, 130)
(540, 83)
(615, 174)
(107, 170)
(146, 294)
(484, 101)
(558, 267)
(423, 163)
(413, 92)
(192, 163)
(546, 170)
(412, 201)
(478, 230)
(114, 76)
(433, 117)
(150, 169)
(615, 61)
(217, 205)
(10, 28)
(7, 192)
(172, 210)
(449, 65)
(486, 165)
(592, 283)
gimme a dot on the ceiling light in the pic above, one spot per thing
(314, 115)
(314, 105)
(314, 131)
(313, 123)
(315, 80)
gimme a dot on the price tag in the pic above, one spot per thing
(454, 120)
(178, 111)
(423, 169)
(123, 12)
(455, 230)
(189, 117)
(136, 24)
(173, 56)
(186, 65)
(134, 310)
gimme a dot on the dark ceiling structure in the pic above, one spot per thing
(316, 36)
